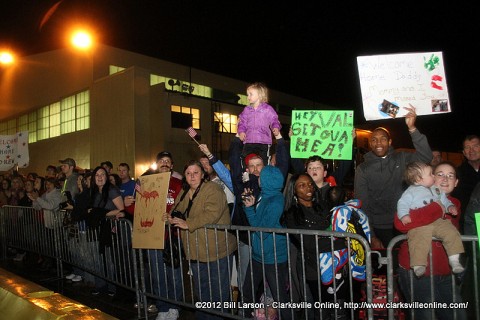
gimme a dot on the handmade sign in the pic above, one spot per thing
(14, 151)
(325, 133)
(150, 205)
(391, 82)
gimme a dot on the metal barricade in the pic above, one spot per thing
(436, 285)
(183, 285)
(106, 252)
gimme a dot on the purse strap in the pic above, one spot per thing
(190, 202)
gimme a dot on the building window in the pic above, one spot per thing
(114, 69)
(82, 113)
(181, 117)
(225, 122)
(68, 115)
(9, 127)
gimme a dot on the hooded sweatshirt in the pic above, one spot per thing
(267, 215)
(378, 180)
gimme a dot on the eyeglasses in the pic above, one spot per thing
(442, 175)
(474, 147)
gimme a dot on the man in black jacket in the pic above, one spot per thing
(378, 180)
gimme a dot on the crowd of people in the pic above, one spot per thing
(280, 192)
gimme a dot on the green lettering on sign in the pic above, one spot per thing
(324, 133)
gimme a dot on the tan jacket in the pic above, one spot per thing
(209, 207)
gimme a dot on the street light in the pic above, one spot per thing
(6, 58)
(82, 40)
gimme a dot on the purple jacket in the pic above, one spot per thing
(257, 123)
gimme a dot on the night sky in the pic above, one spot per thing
(304, 49)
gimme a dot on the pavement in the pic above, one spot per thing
(120, 306)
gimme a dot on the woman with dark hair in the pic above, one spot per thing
(106, 202)
(5, 192)
(302, 211)
(115, 179)
(210, 251)
(39, 185)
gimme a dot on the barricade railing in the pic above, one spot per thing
(106, 252)
(183, 285)
(454, 283)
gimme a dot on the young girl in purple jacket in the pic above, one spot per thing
(256, 122)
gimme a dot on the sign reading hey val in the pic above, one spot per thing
(324, 133)
(150, 205)
(391, 82)
(14, 151)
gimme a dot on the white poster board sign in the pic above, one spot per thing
(391, 82)
(14, 151)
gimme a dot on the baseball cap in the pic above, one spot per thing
(251, 156)
(164, 154)
(107, 163)
(69, 161)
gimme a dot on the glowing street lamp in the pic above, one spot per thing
(6, 58)
(82, 40)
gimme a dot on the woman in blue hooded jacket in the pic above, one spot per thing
(269, 249)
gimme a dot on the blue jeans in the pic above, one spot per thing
(442, 293)
(167, 282)
(212, 283)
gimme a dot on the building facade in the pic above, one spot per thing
(112, 104)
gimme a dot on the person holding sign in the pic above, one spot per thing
(378, 180)
(256, 121)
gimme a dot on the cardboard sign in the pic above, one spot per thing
(391, 82)
(324, 133)
(150, 205)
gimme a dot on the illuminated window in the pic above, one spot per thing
(82, 113)
(184, 117)
(54, 119)
(68, 115)
(114, 69)
(28, 123)
(8, 127)
(225, 122)
(43, 122)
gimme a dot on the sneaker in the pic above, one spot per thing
(152, 308)
(95, 292)
(77, 278)
(70, 276)
(19, 257)
(172, 314)
(419, 270)
(111, 293)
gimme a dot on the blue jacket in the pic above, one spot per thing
(267, 215)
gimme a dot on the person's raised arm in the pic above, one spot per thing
(222, 171)
(423, 152)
